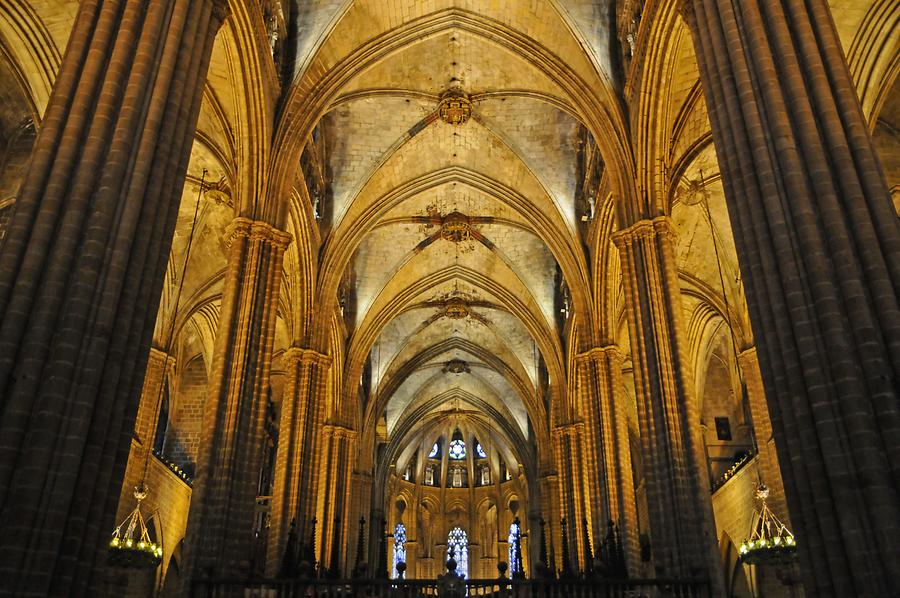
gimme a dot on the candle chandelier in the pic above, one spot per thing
(770, 540)
(131, 545)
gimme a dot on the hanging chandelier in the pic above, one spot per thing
(770, 540)
(131, 545)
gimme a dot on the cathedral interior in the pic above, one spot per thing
(594, 289)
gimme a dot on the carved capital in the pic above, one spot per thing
(308, 356)
(645, 229)
(338, 431)
(257, 230)
(568, 429)
(598, 353)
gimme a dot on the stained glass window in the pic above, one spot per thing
(479, 450)
(458, 548)
(434, 451)
(399, 548)
(457, 449)
(515, 563)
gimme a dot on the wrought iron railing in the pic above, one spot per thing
(499, 588)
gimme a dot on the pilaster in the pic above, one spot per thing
(224, 498)
(81, 272)
(819, 247)
(682, 530)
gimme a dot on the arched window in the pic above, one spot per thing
(458, 548)
(515, 550)
(435, 451)
(479, 450)
(399, 548)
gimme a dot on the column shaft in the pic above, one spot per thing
(819, 249)
(80, 278)
(682, 530)
(608, 454)
(220, 526)
(762, 429)
(335, 477)
(300, 429)
(570, 465)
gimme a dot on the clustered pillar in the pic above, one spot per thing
(80, 278)
(219, 536)
(819, 248)
(608, 452)
(682, 530)
(335, 478)
(570, 466)
(296, 466)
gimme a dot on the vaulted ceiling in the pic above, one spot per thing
(449, 257)
(451, 221)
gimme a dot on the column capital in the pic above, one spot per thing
(339, 431)
(598, 353)
(257, 230)
(309, 356)
(568, 429)
(645, 229)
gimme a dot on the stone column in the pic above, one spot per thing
(159, 365)
(682, 530)
(334, 474)
(81, 272)
(762, 429)
(302, 408)
(819, 248)
(551, 512)
(571, 467)
(608, 453)
(219, 536)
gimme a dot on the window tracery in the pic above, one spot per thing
(399, 548)
(458, 550)
(515, 554)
